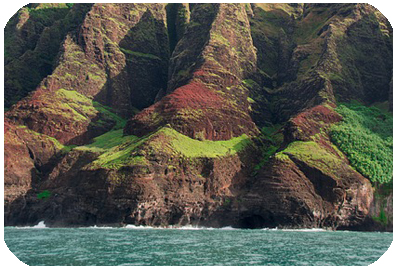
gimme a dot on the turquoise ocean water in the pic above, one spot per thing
(192, 246)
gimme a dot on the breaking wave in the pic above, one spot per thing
(40, 225)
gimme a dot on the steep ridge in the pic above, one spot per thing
(87, 60)
(206, 98)
(32, 39)
(63, 107)
(236, 128)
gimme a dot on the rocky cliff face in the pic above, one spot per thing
(206, 98)
(202, 114)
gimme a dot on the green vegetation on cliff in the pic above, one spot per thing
(274, 138)
(117, 150)
(44, 195)
(312, 154)
(357, 78)
(47, 13)
(80, 108)
(201, 75)
(107, 112)
(194, 148)
(107, 141)
(366, 137)
(139, 54)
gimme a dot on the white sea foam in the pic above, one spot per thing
(296, 230)
(174, 227)
(40, 225)
(187, 227)
(140, 227)
(100, 227)
(227, 228)
(270, 229)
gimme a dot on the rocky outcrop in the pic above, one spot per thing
(327, 60)
(171, 188)
(27, 156)
(230, 108)
(309, 183)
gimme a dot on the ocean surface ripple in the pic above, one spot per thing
(134, 245)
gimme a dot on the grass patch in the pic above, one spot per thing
(107, 141)
(194, 148)
(250, 100)
(249, 83)
(73, 96)
(47, 13)
(366, 137)
(72, 104)
(312, 154)
(139, 54)
(117, 150)
(83, 108)
(272, 133)
(45, 138)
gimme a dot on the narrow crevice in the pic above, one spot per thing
(171, 10)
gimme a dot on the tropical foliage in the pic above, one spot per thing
(366, 137)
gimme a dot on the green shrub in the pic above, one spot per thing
(366, 137)
(382, 218)
(44, 195)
